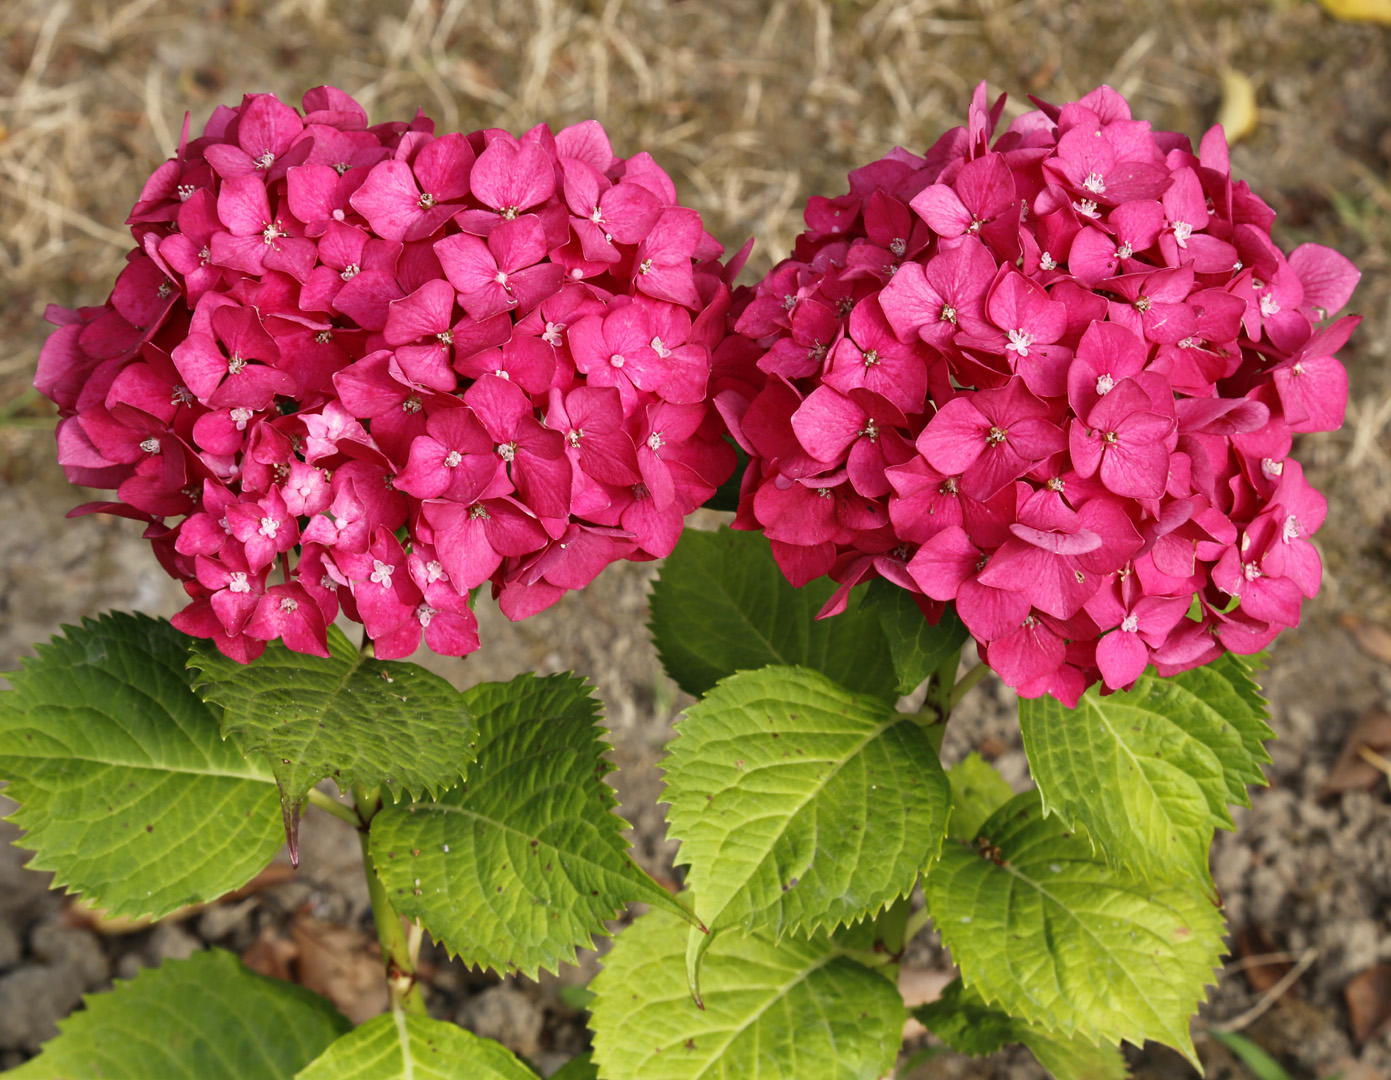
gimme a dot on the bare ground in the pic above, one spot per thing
(752, 107)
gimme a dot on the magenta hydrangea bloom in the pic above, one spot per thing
(1052, 379)
(364, 370)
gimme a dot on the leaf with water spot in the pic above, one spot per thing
(127, 791)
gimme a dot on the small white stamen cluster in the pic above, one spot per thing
(1019, 342)
(381, 573)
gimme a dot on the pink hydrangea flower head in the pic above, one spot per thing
(367, 370)
(1055, 373)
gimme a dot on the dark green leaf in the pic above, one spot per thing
(721, 605)
(204, 1018)
(348, 717)
(917, 648)
(127, 791)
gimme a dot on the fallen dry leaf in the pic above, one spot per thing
(1359, 10)
(1369, 1002)
(343, 964)
(272, 954)
(1372, 638)
(1352, 772)
(1237, 114)
(1252, 944)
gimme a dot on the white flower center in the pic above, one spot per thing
(240, 416)
(1269, 306)
(654, 441)
(645, 267)
(238, 584)
(1046, 262)
(150, 445)
(269, 527)
(452, 459)
(948, 314)
(552, 334)
(288, 604)
(1251, 571)
(1130, 624)
(1104, 384)
(1290, 529)
(507, 451)
(235, 363)
(1182, 231)
(381, 573)
(1095, 183)
(1087, 208)
(1272, 468)
(350, 271)
(1125, 250)
(871, 358)
(434, 571)
(425, 613)
(659, 347)
(266, 160)
(616, 360)
(1019, 342)
(185, 192)
(272, 232)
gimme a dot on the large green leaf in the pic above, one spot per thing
(398, 1046)
(783, 1011)
(917, 648)
(1149, 772)
(349, 717)
(204, 1018)
(721, 605)
(1041, 926)
(962, 1020)
(526, 860)
(800, 805)
(977, 791)
(127, 790)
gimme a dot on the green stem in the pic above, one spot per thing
(396, 945)
(334, 807)
(916, 921)
(964, 686)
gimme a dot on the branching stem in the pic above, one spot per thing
(327, 802)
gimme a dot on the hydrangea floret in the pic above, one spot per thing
(368, 369)
(1051, 378)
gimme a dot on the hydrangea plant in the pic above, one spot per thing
(1038, 390)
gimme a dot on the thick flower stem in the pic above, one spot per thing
(399, 949)
(331, 805)
(965, 685)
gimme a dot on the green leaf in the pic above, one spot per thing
(1261, 1064)
(962, 1020)
(800, 805)
(398, 1046)
(782, 1011)
(977, 791)
(917, 648)
(721, 605)
(127, 790)
(1149, 772)
(349, 717)
(204, 1018)
(580, 1068)
(1041, 926)
(526, 860)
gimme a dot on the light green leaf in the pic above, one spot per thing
(349, 717)
(917, 648)
(783, 1011)
(204, 1018)
(800, 805)
(397, 1046)
(1041, 926)
(977, 791)
(962, 1020)
(1149, 772)
(721, 605)
(525, 860)
(127, 791)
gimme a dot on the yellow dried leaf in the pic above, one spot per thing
(1238, 114)
(1359, 10)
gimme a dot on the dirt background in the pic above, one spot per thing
(752, 107)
